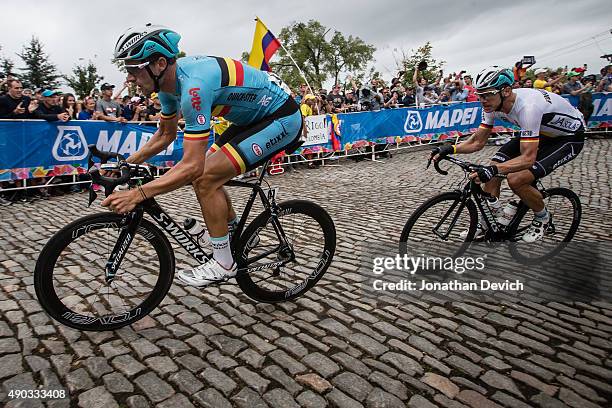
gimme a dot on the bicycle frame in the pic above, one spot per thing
(131, 221)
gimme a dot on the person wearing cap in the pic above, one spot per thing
(573, 86)
(541, 82)
(109, 110)
(50, 109)
(308, 102)
(605, 85)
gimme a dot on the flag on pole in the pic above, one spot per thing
(264, 46)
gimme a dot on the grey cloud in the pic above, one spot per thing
(467, 34)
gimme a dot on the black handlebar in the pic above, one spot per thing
(438, 169)
(109, 183)
(104, 156)
(466, 166)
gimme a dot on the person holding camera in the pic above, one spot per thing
(605, 85)
(14, 105)
(140, 109)
(458, 93)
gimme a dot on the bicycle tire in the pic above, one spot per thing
(316, 214)
(454, 198)
(45, 271)
(516, 247)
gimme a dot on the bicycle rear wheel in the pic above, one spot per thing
(443, 224)
(69, 278)
(565, 214)
(311, 235)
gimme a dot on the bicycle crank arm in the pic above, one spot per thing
(126, 236)
(262, 267)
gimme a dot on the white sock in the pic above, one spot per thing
(222, 251)
(542, 215)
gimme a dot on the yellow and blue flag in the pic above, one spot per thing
(264, 46)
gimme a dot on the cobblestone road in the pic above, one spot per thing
(332, 347)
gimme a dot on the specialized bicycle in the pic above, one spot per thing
(451, 220)
(105, 271)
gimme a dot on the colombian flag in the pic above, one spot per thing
(264, 46)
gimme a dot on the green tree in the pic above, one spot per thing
(319, 58)
(423, 53)
(84, 79)
(39, 72)
(347, 54)
(6, 66)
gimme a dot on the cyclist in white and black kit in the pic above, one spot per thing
(551, 134)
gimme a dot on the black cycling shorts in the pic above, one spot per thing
(552, 152)
(251, 145)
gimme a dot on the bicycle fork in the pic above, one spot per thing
(129, 225)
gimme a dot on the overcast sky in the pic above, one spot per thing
(466, 34)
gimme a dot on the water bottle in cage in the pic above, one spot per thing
(508, 213)
(197, 231)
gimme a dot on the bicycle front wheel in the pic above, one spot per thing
(445, 223)
(565, 213)
(69, 278)
(270, 273)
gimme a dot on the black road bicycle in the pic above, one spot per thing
(105, 271)
(451, 220)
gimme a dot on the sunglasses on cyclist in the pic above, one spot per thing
(487, 95)
(133, 69)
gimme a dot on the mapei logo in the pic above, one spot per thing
(70, 144)
(413, 122)
(196, 101)
(257, 149)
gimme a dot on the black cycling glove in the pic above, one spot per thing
(486, 173)
(443, 150)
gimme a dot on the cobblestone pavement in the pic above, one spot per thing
(333, 346)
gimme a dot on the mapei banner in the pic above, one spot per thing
(438, 122)
(421, 123)
(39, 148)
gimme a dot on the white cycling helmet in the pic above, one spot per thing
(494, 77)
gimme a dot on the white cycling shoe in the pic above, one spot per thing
(206, 274)
(536, 231)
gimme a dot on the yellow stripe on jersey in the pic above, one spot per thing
(217, 110)
(231, 70)
(197, 136)
(168, 116)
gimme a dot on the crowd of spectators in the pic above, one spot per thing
(51, 105)
(402, 91)
(451, 88)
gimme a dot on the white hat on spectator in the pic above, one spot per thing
(540, 71)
